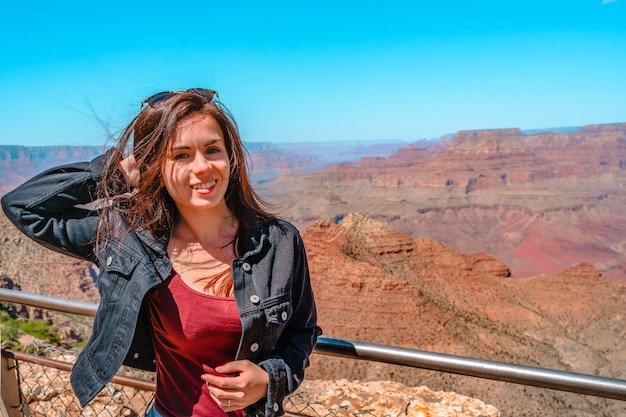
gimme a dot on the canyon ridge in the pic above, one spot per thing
(494, 244)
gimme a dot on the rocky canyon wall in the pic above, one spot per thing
(539, 202)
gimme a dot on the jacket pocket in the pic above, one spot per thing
(279, 314)
(116, 269)
(276, 317)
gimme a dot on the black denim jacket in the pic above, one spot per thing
(271, 283)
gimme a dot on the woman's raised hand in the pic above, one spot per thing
(129, 169)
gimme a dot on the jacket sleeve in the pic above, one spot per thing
(290, 357)
(47, 208)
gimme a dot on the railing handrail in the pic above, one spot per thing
(81, 308)
(578, 383)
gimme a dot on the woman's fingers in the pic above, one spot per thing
(240, 382)
(225, 402)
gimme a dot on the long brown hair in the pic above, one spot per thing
(149, 136)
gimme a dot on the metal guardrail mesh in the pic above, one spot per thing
(46, 392)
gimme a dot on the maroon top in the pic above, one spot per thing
(190, 329)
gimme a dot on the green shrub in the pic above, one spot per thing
(41, 330)
(11, 329)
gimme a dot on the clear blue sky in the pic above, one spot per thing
(313, 70)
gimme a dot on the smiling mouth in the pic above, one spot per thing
(204, 186)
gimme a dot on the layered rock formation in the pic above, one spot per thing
(539, 202)
(375, 284)
(18, 163)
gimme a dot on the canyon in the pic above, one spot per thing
(538, 202)
(496, 244)
(376, 284)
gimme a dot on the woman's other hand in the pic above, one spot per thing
(236, 385)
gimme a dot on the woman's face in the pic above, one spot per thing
(197, 167)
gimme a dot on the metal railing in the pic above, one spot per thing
(578, 383)
(594, 385)
(36, 385)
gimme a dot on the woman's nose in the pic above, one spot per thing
(200, 163)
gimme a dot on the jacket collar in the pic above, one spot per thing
(156, 249)
(253, 239)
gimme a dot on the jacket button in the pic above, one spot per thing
(254, 347)
(136, 356)
(284, 315)
(276, 407)
(255, 299)
(246, 267)
(109, 260)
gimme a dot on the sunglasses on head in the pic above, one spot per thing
(155, 98)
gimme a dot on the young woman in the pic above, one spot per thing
(197, 280)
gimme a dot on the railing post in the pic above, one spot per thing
(10, 402)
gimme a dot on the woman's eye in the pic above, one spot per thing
(212, 150)
(180, 156)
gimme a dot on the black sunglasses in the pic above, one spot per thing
(203, 92)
